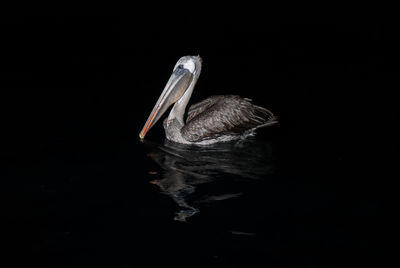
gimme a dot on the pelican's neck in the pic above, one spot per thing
(178, 110)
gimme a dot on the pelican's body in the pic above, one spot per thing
(215, 119)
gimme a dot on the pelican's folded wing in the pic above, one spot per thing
(224, 115)
(202, 106)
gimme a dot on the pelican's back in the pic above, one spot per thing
(224, 115)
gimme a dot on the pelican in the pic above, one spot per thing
(219, 118)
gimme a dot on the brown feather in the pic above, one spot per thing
(224, 115)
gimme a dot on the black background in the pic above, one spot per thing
(75, 92)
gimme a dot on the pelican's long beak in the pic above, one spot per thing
(173, 91)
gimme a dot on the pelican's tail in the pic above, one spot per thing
(266, 117)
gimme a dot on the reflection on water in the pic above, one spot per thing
(186, 167)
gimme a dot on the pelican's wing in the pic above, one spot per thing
(200, 107)
(224, 115)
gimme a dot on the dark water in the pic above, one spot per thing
(194, 175)
(80, 190)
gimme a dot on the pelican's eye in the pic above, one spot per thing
(180, 66)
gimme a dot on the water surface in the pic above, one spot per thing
(197, 175)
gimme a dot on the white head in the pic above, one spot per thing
(189, 63)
